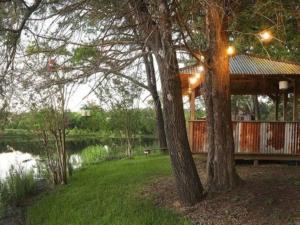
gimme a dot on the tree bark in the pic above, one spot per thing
(158, 37)
(220, 162)
(256, 107)
(151, 80)
(285, 100)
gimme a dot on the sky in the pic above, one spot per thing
(81, 97)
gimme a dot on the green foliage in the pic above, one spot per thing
(96, 122)
(245, 104)
(103, 122)
(93, 154)
(17, 185)
(84, 53)
(106, 194)
(32, 48)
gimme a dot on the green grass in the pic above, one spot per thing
(106, 194)
(15, 187)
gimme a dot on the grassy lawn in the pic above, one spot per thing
(106, 193)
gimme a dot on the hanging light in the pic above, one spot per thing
(230, 50)
(265, 36)
(283, 85)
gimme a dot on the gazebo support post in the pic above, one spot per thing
(192, 105)
(285, 99)
(277, 107)
(295, 103)
(192, 117)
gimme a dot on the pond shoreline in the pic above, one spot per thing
(15, 213)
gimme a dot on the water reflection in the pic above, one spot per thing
(27, 162)
(75, 161)
(19, 160)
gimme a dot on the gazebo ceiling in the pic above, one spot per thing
(249, 75)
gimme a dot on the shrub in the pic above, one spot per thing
(16, 186)
(94, 154)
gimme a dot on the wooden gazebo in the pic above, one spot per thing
(252, 75)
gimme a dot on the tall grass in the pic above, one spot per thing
(16, 186)
(94, 154)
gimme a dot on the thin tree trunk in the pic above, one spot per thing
(151, 80)
(63, 138)
(220, 163)
(256, 107)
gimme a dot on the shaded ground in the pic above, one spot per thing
(270, 195)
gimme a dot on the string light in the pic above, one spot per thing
(265, 36)
(197, 75)
(202, 58)
(230, 50)
(193, 80)
(200, 69)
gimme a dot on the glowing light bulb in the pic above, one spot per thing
(197, 75)
(202, 58)
(200, 69)
(230, 50)
(193, 80)
(265, 36)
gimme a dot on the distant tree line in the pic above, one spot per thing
(105, 122)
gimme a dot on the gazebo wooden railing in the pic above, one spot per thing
(253, 138)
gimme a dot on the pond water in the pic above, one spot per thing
(18, 160)
(24, 154)
(73, 145)
(27, 162)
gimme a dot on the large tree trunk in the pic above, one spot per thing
(220, 162)
(151, 80)
(158, 37)
(187, 179)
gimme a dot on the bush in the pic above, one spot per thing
(94, 154)
(16, 186)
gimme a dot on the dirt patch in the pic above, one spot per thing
(269, 195)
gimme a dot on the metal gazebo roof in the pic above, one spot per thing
(253, 65)
(257, 72)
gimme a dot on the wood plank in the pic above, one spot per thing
(285, 99)
(192, 117)
(240, 156)
(277, 107)
(295, 102)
